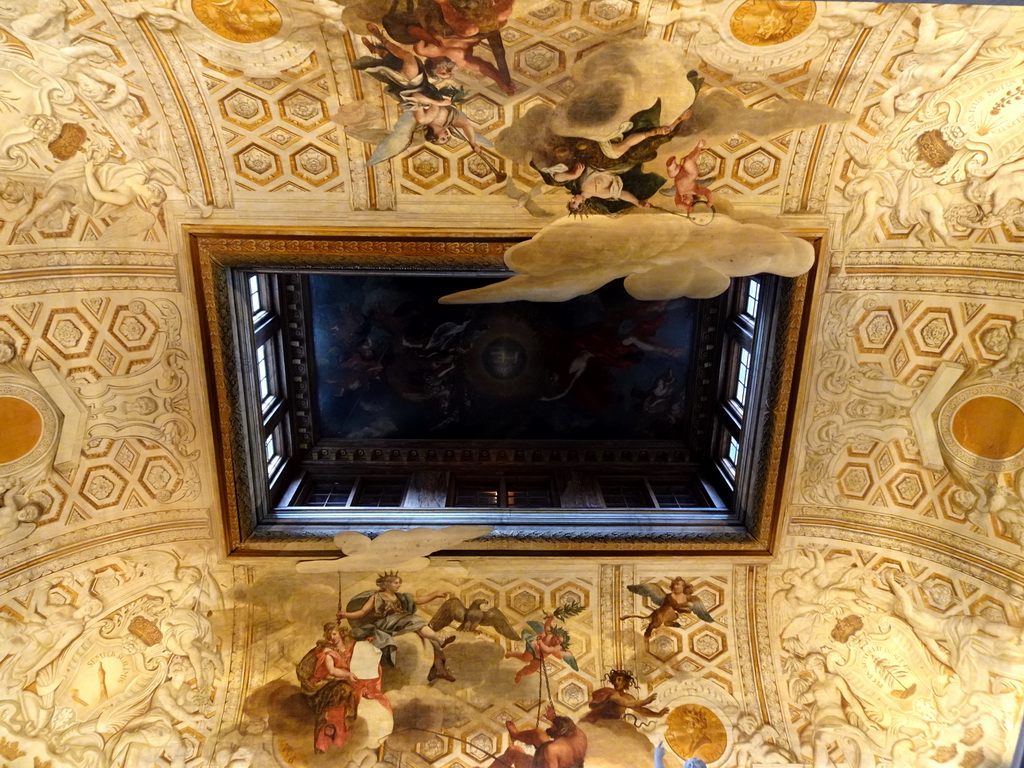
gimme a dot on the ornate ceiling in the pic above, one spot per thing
(884, 630)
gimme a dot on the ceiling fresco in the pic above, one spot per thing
(393, 363)
(672, 144)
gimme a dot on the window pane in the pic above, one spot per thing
(330, 493)
(527, 493)
(676, 495)
(273, 451)
(753, 297)
(477, 493)
(623, 494)
(255, 296)
(263, 376)
(381, 492)
(742, 377)
(732, 455)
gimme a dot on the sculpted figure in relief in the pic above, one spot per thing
(162, 14)
(830, 705)
(96, 185)
(177, 698)
(815, 595)
(948, 39)
(63, 53)
(971, 646)
(39, 640)
(689, 17)
(18, 514)
(145, 739)
(186, 630)
(1001, 193)
(1011, 365)
(757, 744)
(991, 501)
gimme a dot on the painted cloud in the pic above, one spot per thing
(397, 549)
(621, 79)
(661, 256)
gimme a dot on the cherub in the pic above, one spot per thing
(997, 502)
(1013, 356)
(449, 32)
(669, 606)
(542, 641)
(439, 118)
(759, 744)
(18, 514)
(688, 187)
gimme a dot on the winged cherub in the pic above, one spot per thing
(543, 641)
(669, 606)
(472, 618)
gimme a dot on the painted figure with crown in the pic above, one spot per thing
(384, 613)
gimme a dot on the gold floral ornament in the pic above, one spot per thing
(240, 21)
(770, 22)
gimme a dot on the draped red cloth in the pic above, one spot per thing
(337, 702)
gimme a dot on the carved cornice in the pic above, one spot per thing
(362, 249)
(993, 274)
(43, 557)
(438, 457)
(28, 273)
(984, 562)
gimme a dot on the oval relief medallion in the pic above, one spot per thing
(29, 432)
(240, 21)
(767, 22)
(693, 730)
(23, 426)
(983, 427)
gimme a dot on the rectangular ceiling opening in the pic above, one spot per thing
(354, 398)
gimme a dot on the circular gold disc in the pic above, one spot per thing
(22, 428)
(990, 427)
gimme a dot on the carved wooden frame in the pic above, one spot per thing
(214, 252)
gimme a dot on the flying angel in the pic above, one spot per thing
(472, 618)
(669, 605)
(543, 641)
(439, 119)
(427, 106)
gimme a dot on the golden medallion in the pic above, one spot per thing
(23, 426)
(240, 21)
(770, 22)
(990, 427)
(695, 731)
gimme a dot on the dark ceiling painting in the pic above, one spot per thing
(393, 363)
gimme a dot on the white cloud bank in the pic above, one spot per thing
(660, 255)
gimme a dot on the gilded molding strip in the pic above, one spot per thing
(242, 650)
(768, 694)
(183, 108)
(819, 134)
